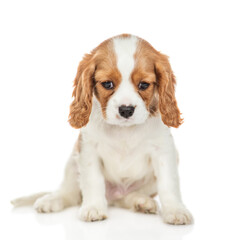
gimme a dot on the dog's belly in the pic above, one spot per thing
(116, 191)
(125, 169)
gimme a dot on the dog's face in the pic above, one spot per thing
(131, 81)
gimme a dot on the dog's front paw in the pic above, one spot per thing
(177, 216)
(92, 213)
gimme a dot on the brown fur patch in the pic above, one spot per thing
(153, 195)
(106, 71)
(96, 67)
(81, 106)
(153, 67)
(143, 72)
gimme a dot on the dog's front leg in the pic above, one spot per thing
(92, 186)
(164, 159)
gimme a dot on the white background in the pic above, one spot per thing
(41, 44)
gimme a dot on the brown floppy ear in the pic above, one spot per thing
(81, 106)
(166, 87)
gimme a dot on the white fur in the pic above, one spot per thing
(122, 153)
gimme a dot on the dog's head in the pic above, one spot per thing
(131, 81)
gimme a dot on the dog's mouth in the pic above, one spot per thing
(122, 119)
(124, 122)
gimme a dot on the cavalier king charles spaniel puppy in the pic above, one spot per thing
(124, 104)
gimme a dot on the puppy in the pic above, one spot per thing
(124, 102)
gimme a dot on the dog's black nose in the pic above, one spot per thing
(126, 111)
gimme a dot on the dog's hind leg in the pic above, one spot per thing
(67, 195)
(140, 200)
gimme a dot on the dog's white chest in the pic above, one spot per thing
(123, 162)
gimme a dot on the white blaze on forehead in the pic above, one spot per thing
(126, 94)
(125, 48)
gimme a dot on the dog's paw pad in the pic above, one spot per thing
(49, 203)
(179, 216)
(145, 205)
(91, 213)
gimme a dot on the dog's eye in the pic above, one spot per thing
(108, 85)
(143, 85)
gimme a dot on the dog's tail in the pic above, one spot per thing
(27, 200)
